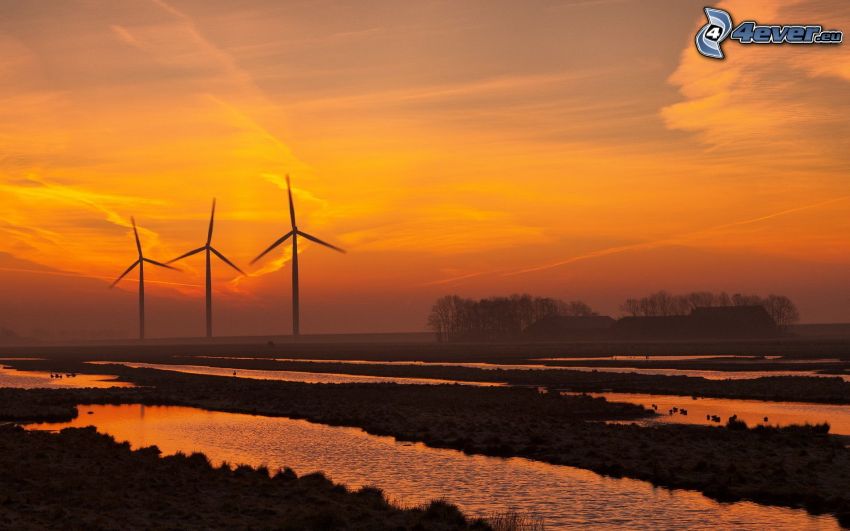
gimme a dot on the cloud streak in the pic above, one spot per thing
(679, 238)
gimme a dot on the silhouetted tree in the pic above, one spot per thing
(782, 309)
(660, 303)
(576, 309)
(453, 318)
(739, 299)
(447, 315)
(700, 299)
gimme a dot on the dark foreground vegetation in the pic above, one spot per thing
(796, 467)
(79, 479)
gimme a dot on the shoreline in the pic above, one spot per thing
(88, 479)
(723, 464)
(810, 389)
(397, 350)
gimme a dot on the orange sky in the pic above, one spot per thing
(577, 149)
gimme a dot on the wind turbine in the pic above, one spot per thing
(294, 233)
(209, 250)
(141, 263)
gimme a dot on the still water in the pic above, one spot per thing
(662, 357)
(412, 474)
(470, 364)
(707, 374)
(289, 376)
(750, 411)
(37, 379)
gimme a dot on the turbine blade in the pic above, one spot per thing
(291, 204)
(186, 255)
(160, 264)
(320, 242)
(212, 220)
(124, 274)
(136, 233)
(272, 246)
(225, 260)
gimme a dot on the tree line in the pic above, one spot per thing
(455, 318)
(661, 303)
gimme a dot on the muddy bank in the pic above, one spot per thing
(796, 467)
(716, 364)
(286, 347)
(775, 388)
(79, 479)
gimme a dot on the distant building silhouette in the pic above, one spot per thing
(720, 322)
(652, 327)
(736, 321)
(580, 327)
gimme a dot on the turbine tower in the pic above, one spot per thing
(140, 262)
(294, 233)
(209, 250)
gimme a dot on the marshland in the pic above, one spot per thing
(423, 265)
(542, 415)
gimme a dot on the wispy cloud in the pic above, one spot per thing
(38, 189)
(491, 85)
(763, 102)
(437, 141)
(224, 60)
(677, 239)
(71, 274)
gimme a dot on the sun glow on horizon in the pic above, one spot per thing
(448, 148)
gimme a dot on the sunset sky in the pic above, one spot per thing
(579, 149)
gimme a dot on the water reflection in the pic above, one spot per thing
(661, 357)
(412, 474)
(707, 374)
(290, 376)
(474, 365)
(752, 412)
(37, 379)
(726, 358)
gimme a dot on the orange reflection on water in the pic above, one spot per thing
(708, 374)
(752, 412)
(291, 376)
(38, 379)
(412, 474)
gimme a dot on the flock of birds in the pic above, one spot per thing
(711, 418)
(61, 375)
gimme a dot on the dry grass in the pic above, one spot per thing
(515, 521)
